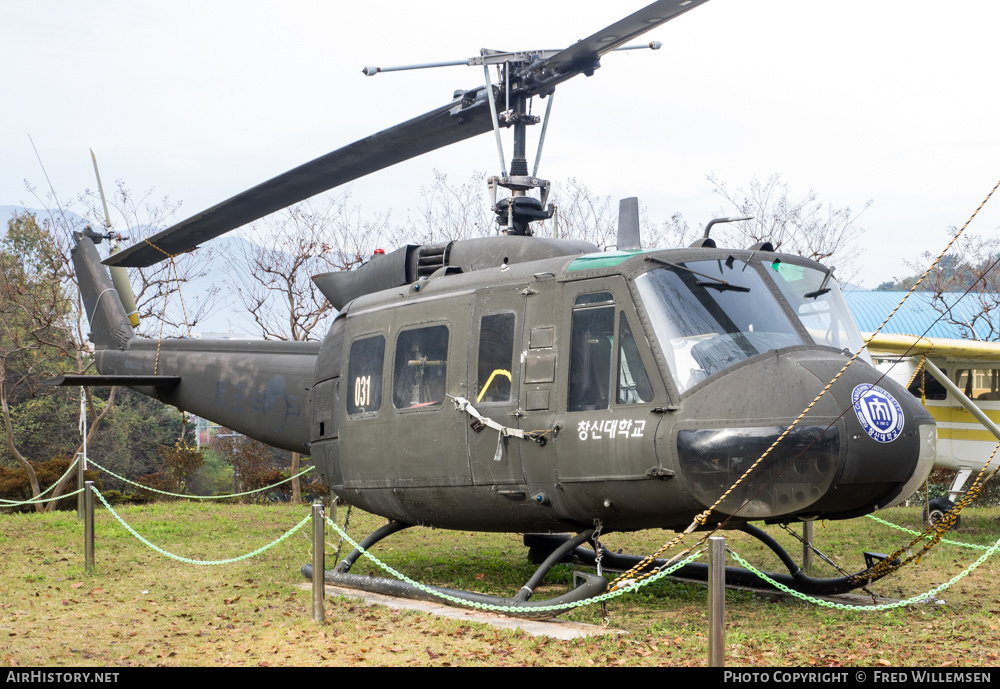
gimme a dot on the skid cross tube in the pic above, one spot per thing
(520, 605)
(796, 579)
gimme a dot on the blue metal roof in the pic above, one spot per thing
(917, 316)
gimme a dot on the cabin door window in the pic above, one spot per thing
(496, 357)
(421, 367)
(364, 375)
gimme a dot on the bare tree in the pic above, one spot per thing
(803, 226)
(970, 269)
(586, 216)
(164, 308)
(449, 212)
(272, 276)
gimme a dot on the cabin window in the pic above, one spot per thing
(633, 382)
(364, 375)
(592, 298)
(591, 353)
(496, 356)
(420, 367)
(979, 383)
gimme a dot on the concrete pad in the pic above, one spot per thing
(554, 628)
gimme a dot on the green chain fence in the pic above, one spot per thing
(15, 503)
(960, 544)
(873, 608)
(505, 608)
(200, 562)
(629, 588)
(199, 497)
(38, 498)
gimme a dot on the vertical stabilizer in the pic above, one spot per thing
(109, 325)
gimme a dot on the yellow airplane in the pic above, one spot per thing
(959, 383)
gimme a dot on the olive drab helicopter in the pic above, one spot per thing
(518, 383)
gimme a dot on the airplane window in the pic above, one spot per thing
(926, 384)
(496, 354)
(980, 383)
(364, 375)
(633, 382)
(420, 367)
(591, 352)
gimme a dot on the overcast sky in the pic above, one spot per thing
(890, 100)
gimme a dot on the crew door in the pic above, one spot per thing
(610, 396)
(494, 385)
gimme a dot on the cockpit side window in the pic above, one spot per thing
(496, 356)
(596, 376)
(420, 367)
(633, 382)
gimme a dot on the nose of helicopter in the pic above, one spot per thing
(865, 444)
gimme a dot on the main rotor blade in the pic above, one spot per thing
(446, 125)
(430, 131)
(584, 55)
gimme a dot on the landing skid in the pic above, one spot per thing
(521, 605)
(541, 546)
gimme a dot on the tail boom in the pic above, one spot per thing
(259, 389)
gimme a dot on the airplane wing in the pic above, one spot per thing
(912, 345)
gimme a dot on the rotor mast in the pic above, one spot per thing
(520, 75)
(517, 211)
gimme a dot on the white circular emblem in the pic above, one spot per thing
(878, 411)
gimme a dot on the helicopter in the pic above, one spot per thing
(519, 383)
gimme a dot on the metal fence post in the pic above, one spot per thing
(716, 600)
(88, 527)
(807, 553)
(319, 563)
(81, 506)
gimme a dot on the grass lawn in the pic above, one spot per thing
(143, 609)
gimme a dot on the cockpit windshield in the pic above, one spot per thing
(815, 297)
(709, 315)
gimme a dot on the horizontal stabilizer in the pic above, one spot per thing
(129, 381)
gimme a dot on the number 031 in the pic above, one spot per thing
(362, 391)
